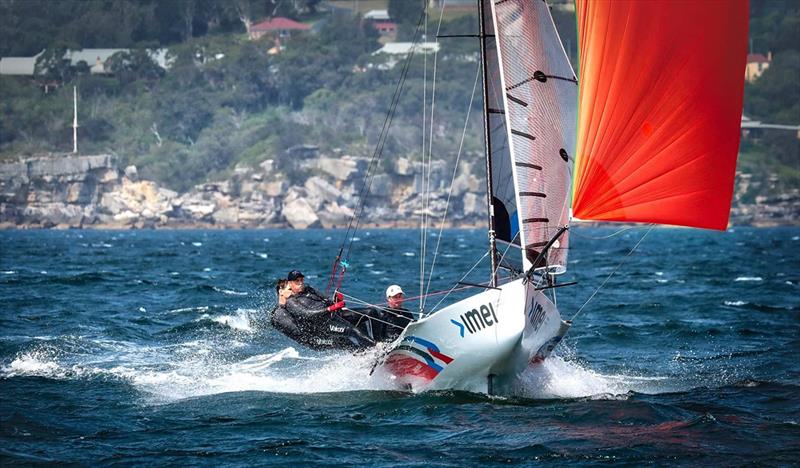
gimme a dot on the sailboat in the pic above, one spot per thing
(649, 135)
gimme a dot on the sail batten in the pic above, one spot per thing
(659, 110)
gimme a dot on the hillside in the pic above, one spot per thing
(226, 101)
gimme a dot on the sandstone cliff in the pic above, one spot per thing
(68, 191)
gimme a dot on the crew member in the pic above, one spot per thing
(306, 297)
(322, 323)
(280, 318)
(396, 316)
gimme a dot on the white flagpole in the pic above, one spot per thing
(75, 119)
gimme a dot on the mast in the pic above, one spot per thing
(487, 145)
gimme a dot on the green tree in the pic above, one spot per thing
(134, 65)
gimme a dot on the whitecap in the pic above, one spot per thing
(33, 365)
(749, 278)
(9, 272)
(229, 292)
(735, 303)
(206, 269)
(197, 244)
(409, 254)
(142, 309)
(659, 273)
(189, 309)
(795, 238)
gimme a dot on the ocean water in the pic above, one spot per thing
(149, 347)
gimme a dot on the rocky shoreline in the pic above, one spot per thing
(67, 191)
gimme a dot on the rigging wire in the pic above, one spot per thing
(453, 289)
(355, 220)
(426, 211)
(453, 178)
(616, 233)
(624, 259)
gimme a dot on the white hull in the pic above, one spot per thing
(480, 344)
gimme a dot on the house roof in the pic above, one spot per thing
(385, 25)
(279, 23)
(377, 15)
(756, 58)
(17, 65)
(401, 48)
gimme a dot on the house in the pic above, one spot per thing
(278, 27)
(387, 30)
(94, 58)
(756, 64)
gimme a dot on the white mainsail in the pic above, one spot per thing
(539, 92)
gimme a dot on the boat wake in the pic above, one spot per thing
(169, 372)
(559, 378)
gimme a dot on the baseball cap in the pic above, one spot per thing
(294, 274)
(394, 290)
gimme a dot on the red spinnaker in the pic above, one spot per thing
(660, 105)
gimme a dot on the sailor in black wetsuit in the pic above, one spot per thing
(280, 318)
(322, 323)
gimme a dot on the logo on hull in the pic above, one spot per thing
(536, 315)
(476, 320)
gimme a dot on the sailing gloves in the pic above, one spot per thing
(335, 307)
